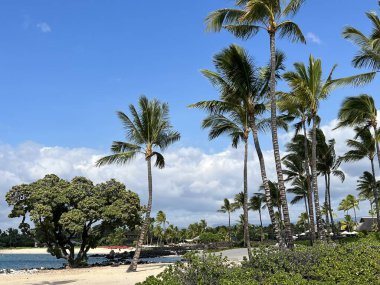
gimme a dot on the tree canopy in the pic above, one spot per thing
(72, 213)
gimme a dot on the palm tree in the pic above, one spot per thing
(328, 164)
(241, 84)
(365, 187)
(244, 22)
(256, 203)
(364, 147)
(303, 220)
(347, 224)
(360, 111)
(227, 208)
(146, 129)
(298, 173)
(161, 219)
(235, 124)
(276, 198)
(308, 84)
(369, 53)
(348, 203)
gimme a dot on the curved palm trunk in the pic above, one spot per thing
(245, 204)
(136, 256)
(276, 149)
(376, 196)
(309, 189)
(268, 198)
(320, 229)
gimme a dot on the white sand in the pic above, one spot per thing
(85, 276)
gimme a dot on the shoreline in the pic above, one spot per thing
(43, 250)
(83, 276)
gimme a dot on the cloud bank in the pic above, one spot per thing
(191, 187)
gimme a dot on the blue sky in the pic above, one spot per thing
(68, 66)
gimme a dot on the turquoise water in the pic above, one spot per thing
(30, 261)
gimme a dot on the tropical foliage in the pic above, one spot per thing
(69, 213)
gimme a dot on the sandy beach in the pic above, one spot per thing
(84, 276)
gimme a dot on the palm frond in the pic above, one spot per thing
(293, 7)
(291, 30)
(119, 158)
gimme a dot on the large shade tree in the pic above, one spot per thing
(245, 21)
(146, 129)
(67, 214)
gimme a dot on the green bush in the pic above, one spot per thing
(210, 237)
(357, 262)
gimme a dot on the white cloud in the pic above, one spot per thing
(191, 187)
(44, 27)
(313, 38)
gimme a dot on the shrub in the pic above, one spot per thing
(349, 263)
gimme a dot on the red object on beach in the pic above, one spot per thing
(116, 247)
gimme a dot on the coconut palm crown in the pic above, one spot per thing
(146, 129)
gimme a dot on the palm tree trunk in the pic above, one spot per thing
(245, 204)
(229, 225)
(276, 149)
(309, 189)
(320, 229)
(330, 208)
(261, 227)
(306, 208)
(136, 256)
(327, 206)
(376, 196)
(268, 198)
(355, 214)
(377, 144)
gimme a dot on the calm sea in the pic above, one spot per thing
(30, 261)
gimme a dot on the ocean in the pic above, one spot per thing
(31, 261)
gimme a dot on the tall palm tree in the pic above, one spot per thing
(297, 165)
(240, 83)
(256, 203)
(235, 124)
(146, 129)
(227, 208)
(245, 21)
(360, 111)
(364, 147)
(307, 82)
(328, 164)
